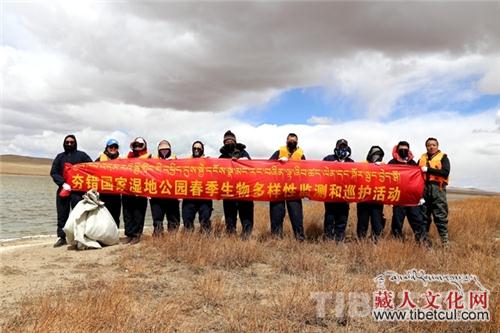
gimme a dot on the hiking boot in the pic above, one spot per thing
(135, 240)
(127, 240)
(157, 232)
(60, 242)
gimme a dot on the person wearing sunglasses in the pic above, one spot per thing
(165, 207)
(202, 207)
(113, 202)
(232, 208)
(66, 199)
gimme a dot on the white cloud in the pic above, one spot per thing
(180, 71)
(316, 120)
(490, 83)
(474, 155)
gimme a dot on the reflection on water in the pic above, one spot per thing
(28, 206)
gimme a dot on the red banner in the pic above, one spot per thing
(259, 180)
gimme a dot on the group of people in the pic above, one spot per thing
(433, 206)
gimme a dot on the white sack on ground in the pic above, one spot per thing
(89, 223)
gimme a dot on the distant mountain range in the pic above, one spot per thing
(37, 166)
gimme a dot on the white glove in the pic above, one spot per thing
(421, 202)
(424, 169)
(378, 163)
(66, 187)
(283, 159)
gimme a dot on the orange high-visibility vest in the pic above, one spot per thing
(296, 155)
(434, 163)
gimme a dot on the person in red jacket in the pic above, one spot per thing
(401, 154)
(134, 207)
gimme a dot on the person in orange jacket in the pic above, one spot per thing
(113, 202)
(436, 167)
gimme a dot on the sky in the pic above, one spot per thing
(374, 73)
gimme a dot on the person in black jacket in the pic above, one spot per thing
(203, 207)
(65, 197)
(337, 213)
(371, 211)
(401, 154)
(113, 202)
(165, 207)
(235, 151)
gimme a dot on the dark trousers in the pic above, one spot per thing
(245, 210)
(204, 209)
(436, 206)
(134, 213)
(277, 214)
(63, 207)
(415, 218)
(165, 207)
(370, 212)
(336, 215)
(113, 203)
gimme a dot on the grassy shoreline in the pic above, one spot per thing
(190, 282)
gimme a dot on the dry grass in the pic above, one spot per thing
(191, 282)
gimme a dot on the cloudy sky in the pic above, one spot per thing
(374, 73)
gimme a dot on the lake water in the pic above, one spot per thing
(28, 207)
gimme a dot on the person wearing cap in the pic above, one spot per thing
(235, 150)
(134, 207)
(371, 212)
(66, 199)
(161, 207)
(337, 213)
(113, 202)
(436, 168)
(204, 207)
(277, 208)
(401, 154)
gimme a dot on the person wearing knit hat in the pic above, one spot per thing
(371, 212)
(134, 207)
(66, 198)
(229, 136)
(337, 213)
(113, 202)
(401, 154)
(202, 207)
(277, 209)
(235, 150)
(165, 207)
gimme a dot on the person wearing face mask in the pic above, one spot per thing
(113, 202)
(401, 154)
(277, 208)
(134, 207)
(371, 211)
(232, 208)
(203, 207)
(161, 207)
(337, 213)
(436, 168)
(66, 199)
